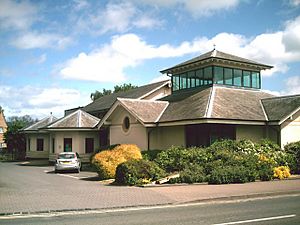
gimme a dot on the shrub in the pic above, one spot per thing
(231, 174)
(282, 172)
(265, 170)
(293, 151)
(151, 155)
(107, 161)
(192, 174)
(141, 171)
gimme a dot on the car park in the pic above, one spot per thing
(67, 161)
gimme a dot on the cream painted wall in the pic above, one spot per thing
(254, 133)
(137, 133)
(31, 151)
(290, 130)
(165, 137)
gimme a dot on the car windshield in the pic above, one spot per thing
(66, 156)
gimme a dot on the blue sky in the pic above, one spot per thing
(54, 53)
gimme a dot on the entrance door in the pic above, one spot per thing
(67, 144)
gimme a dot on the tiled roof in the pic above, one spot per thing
(216, 102)
(2, 119)
(77, 119)
(146, 111)
(278, 108)
(216, 55)
(40, 124)
(104, 103)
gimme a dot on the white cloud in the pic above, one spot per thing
(39, 102)
(292, 85)
(295, 2)
(31, 40)
(17, 15)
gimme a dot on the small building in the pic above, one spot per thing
(38, 140)
(3, 129)
(214, 96)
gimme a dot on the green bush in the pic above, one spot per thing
(231, 174)
(293, 151)
(192, 174)
(135, 172)
(151, 154)
(265, 170)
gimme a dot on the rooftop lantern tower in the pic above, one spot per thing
(216, 67)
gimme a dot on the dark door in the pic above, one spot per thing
(67, 144)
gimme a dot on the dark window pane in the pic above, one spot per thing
(53, 145)
(246, 79)
(67, 144)
(208, 75)
(228, 76)
(40, 144)
(183, 81)
(255, 80)
(89, 145)
(237, 80)
(218, 75)
(191, 76)
(175, 82)
(199, 77)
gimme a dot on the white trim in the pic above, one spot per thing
(263, 109)
(210, 103)
(289, 115)
(153, 90)
(162, 112)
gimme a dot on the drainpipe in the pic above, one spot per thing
(149, 135)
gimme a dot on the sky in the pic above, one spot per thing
(54, 54)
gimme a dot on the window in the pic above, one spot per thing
(89, 145)
(199, 77)
(29, 144)
(126, 124)
(191, 77)
(175, 82)
(237, 77)
(228, 76)
(53, 145)
(183, 81)
(246, 79)
(255, 79)
(67, 144)
(208, 75)
(40, 144)
(218, 75)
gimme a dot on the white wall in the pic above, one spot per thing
(290, 130)
(31, 151)
(251, 132)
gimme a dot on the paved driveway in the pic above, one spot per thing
(31, 189)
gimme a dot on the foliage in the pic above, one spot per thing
(14, 138)
(135, 172)
(192, 174)
(282, 172)
(151, 154)
(231, 174)
(107, 161)
(293, 150)
(117, 88)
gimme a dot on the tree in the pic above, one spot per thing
(15, 139)
(117, 88)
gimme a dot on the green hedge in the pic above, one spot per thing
(293, 151)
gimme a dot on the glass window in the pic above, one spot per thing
(237, 77)
(228, 76)
(192, 79)
(67, 144)
(182, 81)
(255, 79)
(40, 144)
(89, 145)
(199, 77)
(53, 145)
(246, 79)
(29, 144)
(126, 124)
(218, 76)
(208, 75)
(175, 82)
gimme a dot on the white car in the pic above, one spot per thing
(67, 161)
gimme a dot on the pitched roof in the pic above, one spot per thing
(105, 102)
(214, 54)
(146, 111)
(41, 123)
(216, 102)
(78, 119)
(2, 119)
(279, 108)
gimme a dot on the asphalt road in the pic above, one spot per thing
(273, 211)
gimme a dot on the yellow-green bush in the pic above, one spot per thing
(282, 172)
(107, 161)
